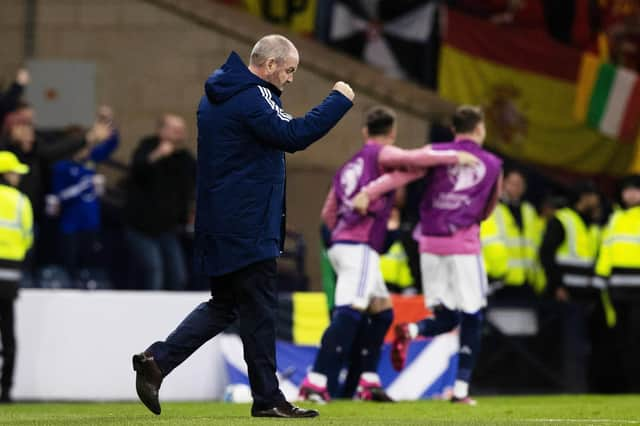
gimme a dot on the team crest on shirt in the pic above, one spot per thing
(351, 176)
(465, 177)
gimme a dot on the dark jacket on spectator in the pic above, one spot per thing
(159, 194)
(40, 160)
(9, 100)
(243, 134)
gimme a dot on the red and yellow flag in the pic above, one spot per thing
(527, 84)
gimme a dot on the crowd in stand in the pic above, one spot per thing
(72, 247)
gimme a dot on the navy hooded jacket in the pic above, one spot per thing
(242, 136)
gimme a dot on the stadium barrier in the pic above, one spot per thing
(77, 345)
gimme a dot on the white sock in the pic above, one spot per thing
(317, 379)
(370, 377)
(413, 330)
(461, 389)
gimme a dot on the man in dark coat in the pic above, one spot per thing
(243, 133)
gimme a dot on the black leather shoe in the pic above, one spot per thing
(148, 381)
(285, 409)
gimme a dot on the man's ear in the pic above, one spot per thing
(271, 65)
(365, 132)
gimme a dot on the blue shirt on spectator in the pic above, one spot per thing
(73, 184)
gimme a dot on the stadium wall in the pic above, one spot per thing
(77, 345)
(153, 56)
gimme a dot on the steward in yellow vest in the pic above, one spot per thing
(618, 267)
(510, 240)
(396, 272)
(570, 246)
(16, 220)
(619, 259)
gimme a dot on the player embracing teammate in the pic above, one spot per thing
(455, 200)
(363, 306)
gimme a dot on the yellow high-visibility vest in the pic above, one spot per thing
(619, 257)
(16, 221)
(508, 251)
(577, 253)
(394, 265)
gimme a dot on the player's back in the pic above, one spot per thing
(456, 197)
(361, 169)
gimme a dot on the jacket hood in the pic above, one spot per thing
(231, 78)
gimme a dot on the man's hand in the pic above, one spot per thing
(361, 203)
(23, 77)
(467, 159)
(98, 133)
(345, 89)
(164, 149)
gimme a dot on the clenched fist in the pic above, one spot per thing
(345, 89)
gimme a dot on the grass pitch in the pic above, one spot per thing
(529, 410)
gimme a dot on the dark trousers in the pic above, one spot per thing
(78, 250)
(250, 296)
(8, 343)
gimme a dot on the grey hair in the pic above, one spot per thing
(271, 46)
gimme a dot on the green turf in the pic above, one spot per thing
(530, 410)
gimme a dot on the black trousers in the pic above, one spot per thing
(8, 343)
(249, 295)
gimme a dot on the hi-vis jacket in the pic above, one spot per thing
(510, 253)
(16, 220)
(576, 256)
(619, 259)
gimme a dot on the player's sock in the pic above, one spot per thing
(444, 320)
(470, 336)
(373, 338)
(354, 364)
(336, 344)
(460, 389)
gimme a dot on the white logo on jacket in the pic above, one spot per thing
(350, 176)
(465, 177)
(462, 178)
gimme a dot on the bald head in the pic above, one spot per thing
(274, 59)
(273, 46)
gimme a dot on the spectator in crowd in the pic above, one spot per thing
(569, 247)
(16, 220)
(618, 266)
(20, 137)
(568, 254)
(10, 98)
(39, 152)
(160, 194)
(394, 263)
(76, 190)
(509, 242)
